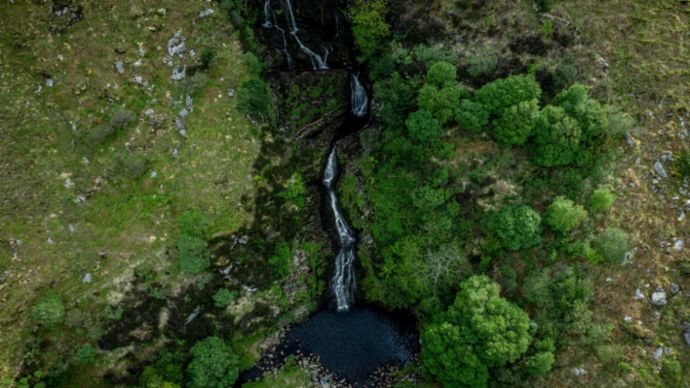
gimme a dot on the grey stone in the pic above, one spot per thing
(179, 73)
(206, 12)
(176, 45)
(579, 371)
(660, 170)
(50, 82)
(658, 298)
(639, 295)
(4, 276)
(120, 67)
(87, 278)
(675, 288)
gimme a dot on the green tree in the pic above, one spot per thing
(441, 102)
(255, 99)
(423, 127)
(450, 359)
(564, 215)
(613, 244)
(471, 115)
(516, 124)
(369, 25)
(601, 200)
(589, 114)
(48, 311)
(441, 74)
(540, 364)
(501, 94)
(518, 227)
(557, 138)
(223, 297)
(85, 355)
(213, 364)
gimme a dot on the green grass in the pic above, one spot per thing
(124, 221)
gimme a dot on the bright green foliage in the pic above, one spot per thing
(223, 297)
(498, 329)
(613, 244)
(471, 115)
(85, 355)
(255, 99)
(369, 25)
(518, 227)
(441, 102)
(441, 74)
(213, 365)
(601, 200)
(480, 330)
(557, 138)
(194, 253)
(281, 261)
(516, 124)
(540, 364)
(450, 359)
(589, 114)
(564, 215)
(294, 191)
(423, 127)
(48, 311)
(506, 92)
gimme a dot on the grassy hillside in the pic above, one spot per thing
(93, 168)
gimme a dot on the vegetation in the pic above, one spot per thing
(194, 253)
(564, 215)
(518, 227)
(48, 311)
(213, 364)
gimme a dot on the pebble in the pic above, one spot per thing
(639, 295)
(68, 183)
(206, 12)
(50, 82)
(579, 371)
(120, 67)
(675, 288)
(660, 170)
(658, 298)
(87, 278)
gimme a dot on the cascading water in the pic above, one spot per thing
(267, 15)
(359, 100)
(343, 281)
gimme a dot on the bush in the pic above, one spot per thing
(450, 359)
(681, 165)
(613, 244)
(471, 115)
(165, 372)
(397, 97)
(672, 372)
(281, 261)
(441, 103)
(85, 355)
(213, 364)
(501, 94)
(194, 254)
(48, 311)
(423, 127)
(223, 297)
(518, 227)
(121, 118)
(516, 124)
(369, 25)
(483, 63)
(564, 215)
(557, 138)
(255, 99)
(601, 200)
(207, 56)
(441, 74)
(294, 191)
(540, 364)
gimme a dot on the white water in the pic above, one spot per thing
(317, 61)
(343, 281)
(267, 15)
(359, 100)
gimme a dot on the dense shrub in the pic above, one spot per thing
(672, 372)
(557, 138)
(165, 372)
(213, 365)
(223, 297)
(518, 227)
(601, 200)
(441, 74)
(540, 363)
(281, 261)
(564, 215)
(506, 92)
(192, 246)
(397, 97)
(471, 115)
(85, 355)
(48, 311)
(448, 357)
(441, 102)
(423, 127)
(294, 191)
(589, 114)
(613, 244)
(516, 124)
(255, 99)
(369, 25)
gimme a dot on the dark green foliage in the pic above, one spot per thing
(193, 85)
(223, 297)
(471, 115)
(506, 92)
(281, 261)
(194, 253)
(516, 124)
(441, 74)
(213, 365)
(207, 56)
(484, 62)
(681, 165)
(480, 330)
(557, 138)
(540, 364)
(85, 355)
(48, 311)
(255, 99)
(369, 25)
(253, 63)
(672, 372)
(166, 371)
(441, 102)
(613, 244)
(423, 127)
(588, 113)
(294, 191)
(601, 200)
(398, 96)
(564, 215)
(518, 227)
(119, 119)
(545, 5)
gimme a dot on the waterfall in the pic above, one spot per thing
(343, 281)
(317, 61)
(285, 51)
(359, 100)
(267, 15)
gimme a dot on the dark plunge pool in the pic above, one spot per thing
(353, 344)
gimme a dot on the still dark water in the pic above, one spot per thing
(353, 344)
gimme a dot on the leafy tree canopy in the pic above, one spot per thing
(213, 364)
(517, 227)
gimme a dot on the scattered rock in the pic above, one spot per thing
(206, 12)
(639, 295)
(675, 288)
(179, 73)
(120, 67)
(68, 183)
(658, 298)
(176, 45)
(660, 170)
(50, 82)
(627, 319)
(231, 92)
(87, 278)
(4, 277)
(579, 371)
(678, 244)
